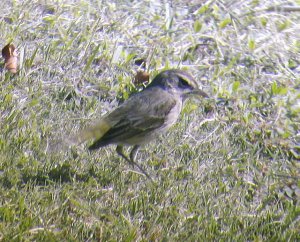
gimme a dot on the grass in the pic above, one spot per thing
(228, 171)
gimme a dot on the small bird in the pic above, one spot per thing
(145, 115)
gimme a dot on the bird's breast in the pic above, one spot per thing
(173, 115)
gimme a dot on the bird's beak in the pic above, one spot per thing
(198, 92)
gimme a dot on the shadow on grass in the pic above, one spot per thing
(62, 173)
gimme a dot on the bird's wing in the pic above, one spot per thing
(140, 114)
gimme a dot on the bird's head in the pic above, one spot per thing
(179, 82)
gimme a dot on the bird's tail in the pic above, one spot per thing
(94, 132)
(65, 142)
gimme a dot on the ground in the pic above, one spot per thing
(227, 171)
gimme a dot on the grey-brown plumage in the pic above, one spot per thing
(145, 115)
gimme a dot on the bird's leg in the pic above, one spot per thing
(133, 152)
(120, 152)
(132, 157)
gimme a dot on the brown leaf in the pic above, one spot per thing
(140, 62)
(141, 77)
(9, 54)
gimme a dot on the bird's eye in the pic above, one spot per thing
(183, 83)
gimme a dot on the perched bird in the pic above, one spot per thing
(145, 115)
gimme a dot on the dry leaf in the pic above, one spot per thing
(140, 62)
(141, 77)
(9, 53)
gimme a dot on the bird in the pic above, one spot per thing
(144, 116)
